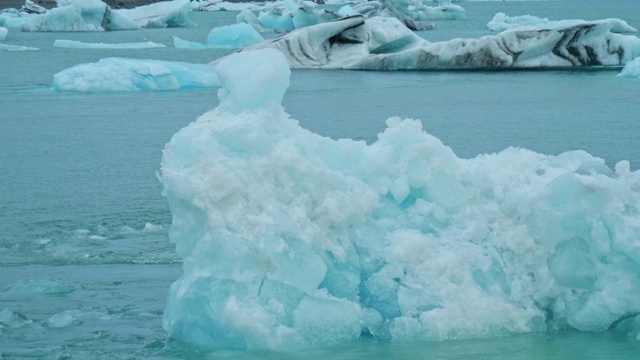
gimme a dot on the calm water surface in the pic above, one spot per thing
(85, 261)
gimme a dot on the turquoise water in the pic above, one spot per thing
(85, 257)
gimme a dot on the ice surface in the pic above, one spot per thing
(79, 15)
(502, 22)
(95, 15)
(385, 44)
(234, 36)
(289, 15)
(414, 10)
(3, 33)
(632, 69)
(121, 74)
(7, 47)
(161, 14)
(292, 240)
(74, 44)
(217, 5)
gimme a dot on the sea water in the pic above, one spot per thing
(85, 260)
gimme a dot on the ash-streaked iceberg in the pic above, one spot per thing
(235, 36)
(502, 22)
(385, 44)
(293, 240)
(74, 44)
(122, 74)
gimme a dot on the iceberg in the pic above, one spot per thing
(235, 36)
(631, 70)
(3, 33)
(218, 5)
(290, 15)
(292, 240)
(410, 11)
(163, 14)
(502, 22)
(382, 43)
(121, 74)
(95, 15)
(74, 44)
(31, 7)
(79, 15)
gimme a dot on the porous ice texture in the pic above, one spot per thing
(293, 240)
(122, 74)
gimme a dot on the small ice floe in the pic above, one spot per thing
(236, 36)
(74, 44)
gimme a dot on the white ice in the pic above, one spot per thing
(74, 44)
(121, 74)
(3, 33)
(631, 70)
(7, 47)
(385, 44)
(235, 36)
(161, 14)
(292, 240)
(218, 5)
(502, 22)
(95, 15)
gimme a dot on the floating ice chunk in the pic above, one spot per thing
(161, 14)
(74, 44)
(292, 240)
(13, 19)
(246, 16)
(120, 74)
(249, 83)
(218, 5)
(31, 7)
(79, 15)
(234, 36)
(502, 22)
(373, 44)
(12, 319)
(632, 69)
(3, 33)
(412, 13)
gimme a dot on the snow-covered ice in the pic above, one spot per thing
(293, 240)
(121, 74)
(385, 44)
(74, 44)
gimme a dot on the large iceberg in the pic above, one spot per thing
(121, 74)
(385, 44)
(95, 15)
(293, 240)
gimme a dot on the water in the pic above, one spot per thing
(85, 257)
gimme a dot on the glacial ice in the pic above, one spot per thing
(235, 36)
(95, 15)
(7, 47)
(385, 44)
(631, 69)
(121, 74)
(74, 44)
(293, 240)
(3, 33)
(502, 22)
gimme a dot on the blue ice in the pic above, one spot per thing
(235, 36)
(121, 74)
(293, 240)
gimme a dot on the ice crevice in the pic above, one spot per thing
(292, 240)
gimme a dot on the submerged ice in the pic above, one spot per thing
(293, 240)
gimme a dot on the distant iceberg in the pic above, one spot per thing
(74, 44)
(121, 74)
(235, 36)
(385, 44)
(95, 15)
(292, 240)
